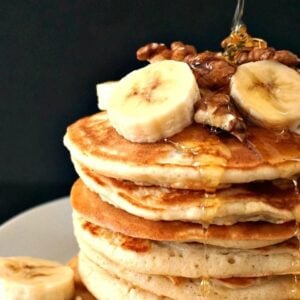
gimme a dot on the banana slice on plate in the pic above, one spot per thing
(269, 93)
(154, 102)
(27, 278)
(104, 92)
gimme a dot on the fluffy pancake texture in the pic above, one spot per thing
(106, 285)
(192, 260)
(193, 159)
(275, 202)
(118, 283)
(240, 235)
(81, 292)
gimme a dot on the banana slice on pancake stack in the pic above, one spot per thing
(154, 102)
(27, 278)
(104, 91)
(268, 92)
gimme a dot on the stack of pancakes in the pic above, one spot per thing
(196, 216)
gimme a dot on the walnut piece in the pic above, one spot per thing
(255, 54)
(154, 52)
(217, 110)
(180, 51)
(211, 70)
(286, 57)
(151, 50)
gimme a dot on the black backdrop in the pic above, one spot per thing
(53, 52)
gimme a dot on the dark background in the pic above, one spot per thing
(52, 54)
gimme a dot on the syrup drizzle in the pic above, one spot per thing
(183, 148)
(239, 37)
(251, 146)
(210, 162)
(194, 152)
(295, 183)
(238, 14)
(296, 288)
(295, 280)
(205, 284)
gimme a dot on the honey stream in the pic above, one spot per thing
(205, 284)
(194, 151)
(239, 38)
(263, 151)
(200, 154)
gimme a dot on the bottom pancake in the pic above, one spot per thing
(105, 285)
(191, 260)
(81, 292)
(109, 281)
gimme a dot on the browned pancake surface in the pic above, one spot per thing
(92, 208)
(263, 147)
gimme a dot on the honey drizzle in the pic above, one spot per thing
(205, 284)
(211, 175)
(183, 148)
(205, 287)
(239, 37)
(295, 183)
(295, 280)
(296, 287)
(238, 14)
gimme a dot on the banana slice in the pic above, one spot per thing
(269, 93)
(27, 278)
(154, 102)
(104, 92)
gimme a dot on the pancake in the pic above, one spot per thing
(113, 277)
(81, 292)
(191, 260)
(195, 158)
(107, 286)
(241, 235)
(275, 202)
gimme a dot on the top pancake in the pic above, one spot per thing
(195, 158)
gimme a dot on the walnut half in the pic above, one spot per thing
(211, 70)
(154, 51)
(217, 110)
(255, 54)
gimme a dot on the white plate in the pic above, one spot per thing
(44, 231)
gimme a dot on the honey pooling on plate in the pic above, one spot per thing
(238, 40)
